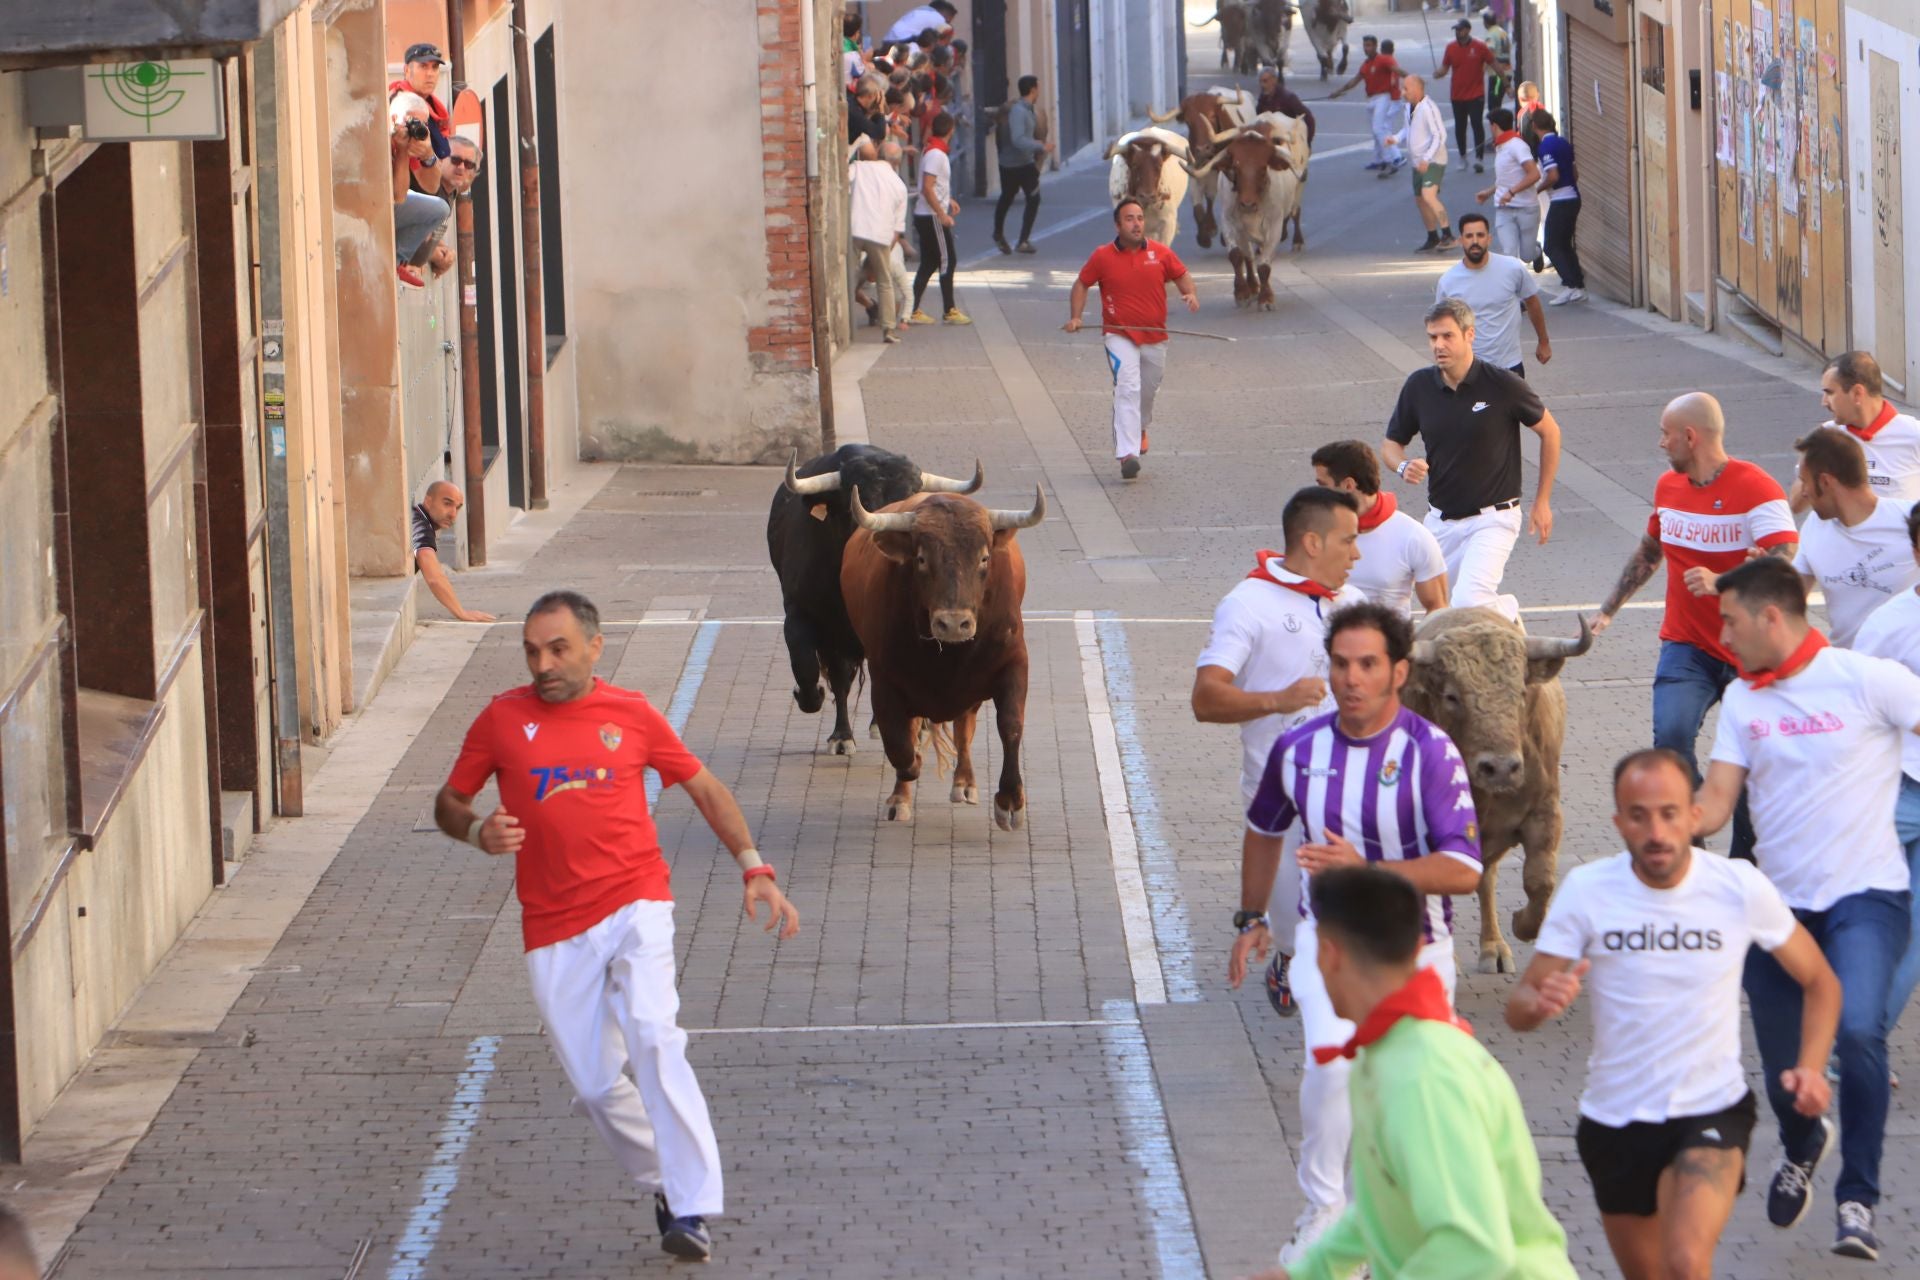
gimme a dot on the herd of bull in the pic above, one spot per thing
(1258, 31)
(897, 570)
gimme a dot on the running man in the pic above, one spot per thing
(1710, 514)
(1381, 75)
(1661, 932)
(1426, 147)
(1854, 545)
(570, 752)
(1133, 273)
(1815, 734)
(1399, 559)
(1445, 1178)
(1370, 783)
(1467, 60)
(1854, 392)
(1500, 290)
(1470, 413)
(1265, 669)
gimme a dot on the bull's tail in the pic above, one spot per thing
(939, 735)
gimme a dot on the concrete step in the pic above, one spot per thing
(236, 824)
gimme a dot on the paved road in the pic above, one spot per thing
(989, 1053)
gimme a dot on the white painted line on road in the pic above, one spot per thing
(1150, 1148)
(442, 1175)
(1078, 219)
(1037, 1025)
(1136, 917)
(1042, 615)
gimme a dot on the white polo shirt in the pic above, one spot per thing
(1859, 568)
(1665, 980)
(1893, 455)
(1394, 555)
(1269, 637)
(1893, 632)
(1822, 750)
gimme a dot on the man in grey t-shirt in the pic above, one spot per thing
(1498, 288)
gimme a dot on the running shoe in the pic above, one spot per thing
(956, 316)
(1279, 991)
(1570, 295)
(1000, 243)
(1025, 246)
(1377, 164)
(919, 317)
(1478, 167)
(1312, 1223)
(1129, 467)
(410, 277)
(1790, 1193)
(1853, 1237)
(1431, 243)
(682, 1237)
(890, 336)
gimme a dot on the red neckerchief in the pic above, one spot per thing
(1872, 429)
(1383, 507)
(436, 109)
(1423, 997)
(1791, 665)
(1504, 135)
(1305, 586)
(936, 144)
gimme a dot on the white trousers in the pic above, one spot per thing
(1137, 371)
(608, 1000)
(1326, 1116)
(1516, 229)
(1384, 116)
(1476, 551)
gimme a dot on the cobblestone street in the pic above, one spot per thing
(961, 1067)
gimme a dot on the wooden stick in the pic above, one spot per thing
(1157, 328)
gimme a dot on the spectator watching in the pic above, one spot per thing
(436, 512)
(416, 215)
(864, 103)
(421, 75)
(463, 168)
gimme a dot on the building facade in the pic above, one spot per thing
(1880, 63)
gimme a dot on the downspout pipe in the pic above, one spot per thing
(816, 217)
(531, 263)
(474, 464)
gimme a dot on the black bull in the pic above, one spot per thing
(807, 530)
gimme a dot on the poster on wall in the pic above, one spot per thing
(1723, 120)
(1746, 209)
(1761, 52)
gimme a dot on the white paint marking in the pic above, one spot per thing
(1136, 917)
(442, 1175)
(912, 1026)
(1078, 219)
(1150, 1148)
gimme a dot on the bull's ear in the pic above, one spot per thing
(895, 545)
(1001, 537)
(1541, 670)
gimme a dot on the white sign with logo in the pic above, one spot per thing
(153, 100)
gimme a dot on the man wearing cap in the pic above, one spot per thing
(1467, 61)
(422, 76)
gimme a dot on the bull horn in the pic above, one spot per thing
(1208, 167)
(1021, 519)
(1425, 651)
(931, 483)
(809, 485)
(1560, 646)
(1163, 117)
(885, 522)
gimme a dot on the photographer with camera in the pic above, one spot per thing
(416, 215)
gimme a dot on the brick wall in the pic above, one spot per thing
(785, 342)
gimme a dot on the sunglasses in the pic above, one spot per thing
(458, 163)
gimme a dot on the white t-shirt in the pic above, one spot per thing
(1393, 556)
(1497, 290)
(1860, 568)
(1665, 980)
(913, 22)
(1893, 632)
(1893, 458)
(1270, 637)
(940, 165)
(1510, 161)
(1822, 752)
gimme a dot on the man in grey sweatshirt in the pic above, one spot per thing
(1020, 155)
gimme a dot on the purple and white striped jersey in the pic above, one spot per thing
(1399, 795)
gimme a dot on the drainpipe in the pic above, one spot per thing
(475, 465)
(536, 324)
(816, 236)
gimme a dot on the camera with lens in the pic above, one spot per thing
(417, 130)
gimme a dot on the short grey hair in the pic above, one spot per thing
(869, 83)
(1451, 309)
(890, 151)
(583, 609)
(462, 140)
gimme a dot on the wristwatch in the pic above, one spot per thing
(1245, 920)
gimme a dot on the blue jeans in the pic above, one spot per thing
(1686, 682)
(1863, 936)
(414, 221)
(1906, 822)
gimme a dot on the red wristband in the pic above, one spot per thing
(746, 877)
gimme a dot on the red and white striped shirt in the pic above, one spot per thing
(1713, 526)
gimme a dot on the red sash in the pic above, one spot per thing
(1305, 586)
(1423, 997)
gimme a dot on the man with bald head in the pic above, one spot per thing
(1711, 513)
(438, 511)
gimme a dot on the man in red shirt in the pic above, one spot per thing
(570, 752)
(1467, 60)
(1133, 273)
(1711, 513)
(1381, 75)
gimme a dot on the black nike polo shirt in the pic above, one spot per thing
(1472, 433)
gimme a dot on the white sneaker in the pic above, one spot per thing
(1312, 1223)
(1569, 295)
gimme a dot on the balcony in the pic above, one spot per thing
(46, 32)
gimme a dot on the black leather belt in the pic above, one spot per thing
(1508, 505)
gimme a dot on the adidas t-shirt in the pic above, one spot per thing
(1712, 526)
(1665, 981)
(1394, 555)
(1858, 568)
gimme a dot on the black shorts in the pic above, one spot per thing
(1625, 1163)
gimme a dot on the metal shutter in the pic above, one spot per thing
(1600, 125)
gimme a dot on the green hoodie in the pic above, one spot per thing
(1446, 1182)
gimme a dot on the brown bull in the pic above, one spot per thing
(1236, 35)
(1265, 176)
(933, 587)
(1496, 691)
(1206, 116)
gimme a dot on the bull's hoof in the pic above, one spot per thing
(873, 730)
(1205, 239)
(899, 811)
(966, 795)
(810, 700)
(1497, 958)
(1006, 817)
(840, 746)
(1266, 301)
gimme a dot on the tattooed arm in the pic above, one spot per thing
(1640, 566)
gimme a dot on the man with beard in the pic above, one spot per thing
(1710, 513)
(1661, 933)
(570, 752)
(1498, 288)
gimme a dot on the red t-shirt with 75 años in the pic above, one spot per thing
(572, 773)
